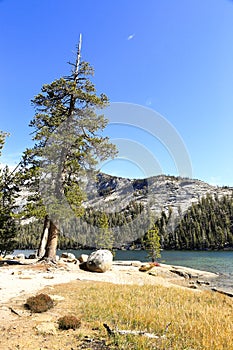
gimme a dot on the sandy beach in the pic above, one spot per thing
(31, 277)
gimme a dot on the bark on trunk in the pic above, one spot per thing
(51, 247)
(44, 237)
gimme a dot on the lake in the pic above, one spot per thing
(220, 262)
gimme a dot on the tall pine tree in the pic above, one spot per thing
(68, 145)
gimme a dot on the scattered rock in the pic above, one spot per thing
(16, 272)
(147, 267)
(57, 297)
(9, 257)
(193, 286)
(153, 273)
(25, 277)
(181, 273)
(203, 283)
(48, 277)
(32, 256)
(83, 266)
(20, 256)
(83, 258)
(68, 256)
(99, 261)
(46, 328)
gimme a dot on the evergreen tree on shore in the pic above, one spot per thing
(68, 144)
(8, 194)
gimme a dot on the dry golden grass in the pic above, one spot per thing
(199, 320)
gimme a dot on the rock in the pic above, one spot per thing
(46, 328)
(19, 256)
(184, 274)
(83, 266)
(193, 286)
(203, 283)
(57, 297)
(9, 257)
(32, 256)
(25, 277)
(153, 273)
(83, 258)
(69, 256)
(149, 266)
(99, 261)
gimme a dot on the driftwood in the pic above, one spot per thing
(14, 311)
(144, 333)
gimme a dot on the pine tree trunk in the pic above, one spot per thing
(44, 237)
(51, 247)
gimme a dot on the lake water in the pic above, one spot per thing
(220, 262)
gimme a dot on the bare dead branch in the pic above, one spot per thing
(144, 333)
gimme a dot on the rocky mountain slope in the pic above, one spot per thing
(113, 194)
(132, 204)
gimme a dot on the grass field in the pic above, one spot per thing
(198, 320)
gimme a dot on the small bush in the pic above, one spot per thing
(69, 322)
(39, 303)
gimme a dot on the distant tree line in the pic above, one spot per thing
(207, 224)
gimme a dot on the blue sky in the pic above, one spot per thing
(174, 57)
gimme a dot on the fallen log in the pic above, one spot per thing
(144, 333)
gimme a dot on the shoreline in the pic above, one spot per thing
(29, 277)
(105, 298)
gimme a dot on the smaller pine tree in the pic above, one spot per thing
(151, 243)
(105, 238)
(8, 227)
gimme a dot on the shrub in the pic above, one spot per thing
(69, 322)
(39, 303)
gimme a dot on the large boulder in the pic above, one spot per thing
(99, 261)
